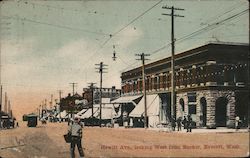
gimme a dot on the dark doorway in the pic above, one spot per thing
(242, 108)
(203, 117)
(221, 112)
(166, 109)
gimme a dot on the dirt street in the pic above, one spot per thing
(46, 141)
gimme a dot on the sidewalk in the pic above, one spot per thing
(201, 130)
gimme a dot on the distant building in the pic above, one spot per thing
(212, 86)
(72, 103)
(111, 93)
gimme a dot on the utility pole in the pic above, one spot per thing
(60, 97)
(9, 108)
(45, 104)
(5, 102)
(73, 86)
(248, 66)
(51, 101)
(39, 114)
(1, 96)
(91, 86)
(142, 58)
(101, 68)
(173, 112)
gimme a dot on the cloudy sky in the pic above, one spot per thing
(45, 45)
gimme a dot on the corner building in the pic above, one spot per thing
(212, 85)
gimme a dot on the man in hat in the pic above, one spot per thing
(76, 137)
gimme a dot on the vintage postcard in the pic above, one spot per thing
(124, 78)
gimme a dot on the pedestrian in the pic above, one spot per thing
(184, 122)
(75, 130)
(17, 125)
(237, 122)
(179, 123)
(173, 123)
(189, 124)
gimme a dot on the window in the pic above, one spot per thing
(191, 97)
(191, 109)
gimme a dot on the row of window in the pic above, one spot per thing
(225, 75)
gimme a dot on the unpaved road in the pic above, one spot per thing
(46, 141)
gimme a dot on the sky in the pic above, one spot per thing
(46, 45)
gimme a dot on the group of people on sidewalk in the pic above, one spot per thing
(187, 123)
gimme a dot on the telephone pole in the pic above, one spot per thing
(5, 103)
(73, 86)
(1, 96)
(60, 97)
(101, 67)
(91, 86)
(51, 101)
(142, 58)
(173, 112)
(9, 107)
(45, 104)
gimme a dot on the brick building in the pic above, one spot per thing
(212, 85)
(111, 93)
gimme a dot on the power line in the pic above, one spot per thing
(211, 26)
(195, 33)
(56, 25)
(222, 14)
(114, 34)
(137, 18)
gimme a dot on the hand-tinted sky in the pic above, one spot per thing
(45, 45)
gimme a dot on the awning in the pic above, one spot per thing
(81, 112)
(62, 114)
(126, 99)
(88, 113)
(107, 113)
(153, 102)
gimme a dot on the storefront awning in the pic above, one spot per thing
(81, 112)
(88, 113)
(62, 114)
(107, 113)
(153, 102)
(126, 99)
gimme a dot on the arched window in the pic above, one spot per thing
(181, 101)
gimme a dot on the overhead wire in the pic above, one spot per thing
(224, 13)
(121, 29)
(107, 40)
(56, 25)
(197, 32)
(212, 26)
(137, 18)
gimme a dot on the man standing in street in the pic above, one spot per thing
(184, 122)
(75, 130)
(179, 123)
(189, 123)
